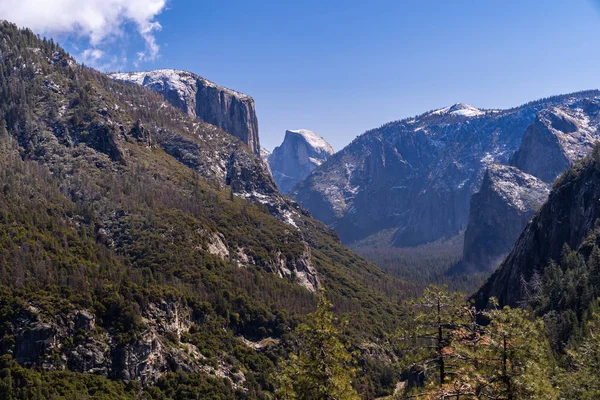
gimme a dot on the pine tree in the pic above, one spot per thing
(323, 368)
(581, 379)
(515, 361)
(426, 337)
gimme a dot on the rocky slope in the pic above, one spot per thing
(136, 241)
(299, 154)
(569, 217)
(559, 136)
(508, 198)
(416, 176)
(231, 111)
(264, 156)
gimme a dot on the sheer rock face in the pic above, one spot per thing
(417, 176)
(48, 343)
(559, 136)
(264, 156)
(509, 197)
(231, 111)
(507, 200)
(567, 217)
(299, 154)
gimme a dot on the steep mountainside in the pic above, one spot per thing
(416, 176)
(300, 153)
(231, 111)
(559, 136)
(136, 241)
(569, 217)
(508, 198)
(554, 267)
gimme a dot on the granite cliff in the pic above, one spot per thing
(299, 154)
(559, 136)
(200, 98)
(416, 176)
(568, 218)
(509, 197)
(506, 201)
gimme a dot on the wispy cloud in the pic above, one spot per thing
(97, 21)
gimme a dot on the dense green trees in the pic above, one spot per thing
(581, 377)
(564, 294)
(447, 354)
(514, 360)
(80, 228)
(93, 218)
(431, 263)
(323, 368)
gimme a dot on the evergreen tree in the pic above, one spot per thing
(515, 361)
(581, 378)
(323, 368)
(426, 337)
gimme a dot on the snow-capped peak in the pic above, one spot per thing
(460, 109)
(177, 79)
(314, 140)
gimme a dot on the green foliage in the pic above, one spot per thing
(183, 386)
(565, 295)
(580, 378)
(426, 333)
(514, 360)
(20, 383)
(93, 218)
(423, 265)
(323, 368)
(447, 354)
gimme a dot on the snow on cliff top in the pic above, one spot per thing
(177, 79)
(460, 109)
(520, 189)
(314, 140)
(264, 153)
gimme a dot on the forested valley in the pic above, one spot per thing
(145, 254)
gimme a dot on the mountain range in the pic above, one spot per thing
(149, 248)
(137, 240)
(411, 182)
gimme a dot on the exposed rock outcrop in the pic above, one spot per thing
(508, 198)
(231, 111)
(416, 176)
(299, 269)
(75, 341)
(559, 136)
(247, 175)
(299, 154)
(567, 217)
(264, 155)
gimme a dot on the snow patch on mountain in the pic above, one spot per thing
(300, 153)
(521, 190)
(314, 140)
(173, 78)
(460, 109)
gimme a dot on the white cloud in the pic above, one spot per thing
(91, 55)
(98, 21)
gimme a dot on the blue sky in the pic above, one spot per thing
(342, 67)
